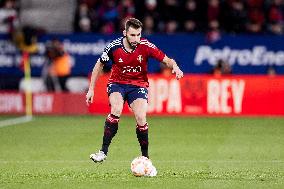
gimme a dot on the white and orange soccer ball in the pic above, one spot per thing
(142, 166)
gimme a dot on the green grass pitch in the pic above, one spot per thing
(188, 152)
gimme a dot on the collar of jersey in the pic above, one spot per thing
(125, 48)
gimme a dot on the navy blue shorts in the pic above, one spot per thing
(129, 93)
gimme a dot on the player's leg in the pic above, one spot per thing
(116, 102)
(139, 108)
(111, 124)
(138, 103)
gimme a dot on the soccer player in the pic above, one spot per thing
(128, 82)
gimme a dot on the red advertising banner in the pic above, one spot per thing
(192, 95)
(44, 103)
(206, 95)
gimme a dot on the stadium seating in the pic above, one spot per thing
(52, 15)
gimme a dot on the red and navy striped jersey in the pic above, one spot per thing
(130, 67)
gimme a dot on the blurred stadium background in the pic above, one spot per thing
(223, 121)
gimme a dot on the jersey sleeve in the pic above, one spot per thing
(105, 56)
(155, 52)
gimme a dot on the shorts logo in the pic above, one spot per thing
(140, 58)
(109, 88)
(143, 91)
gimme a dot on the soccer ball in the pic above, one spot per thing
(142, 166)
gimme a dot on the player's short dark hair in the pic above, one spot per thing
(134, 23)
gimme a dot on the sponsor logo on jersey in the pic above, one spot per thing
(130, 69)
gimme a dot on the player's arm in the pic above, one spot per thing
(171, 63)
(95, 75)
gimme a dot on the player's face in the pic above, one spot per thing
(133, 36)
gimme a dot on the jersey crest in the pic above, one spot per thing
(140, 58)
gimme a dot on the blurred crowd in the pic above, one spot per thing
(57, 68)
(9, 19)
(171, 16)
(168, 16)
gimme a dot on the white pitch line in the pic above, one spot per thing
(15, 121)
(156, 161)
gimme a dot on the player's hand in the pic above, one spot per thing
(89, 97)
(178, 72)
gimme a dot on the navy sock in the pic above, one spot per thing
(142, 136)
(111, 127)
